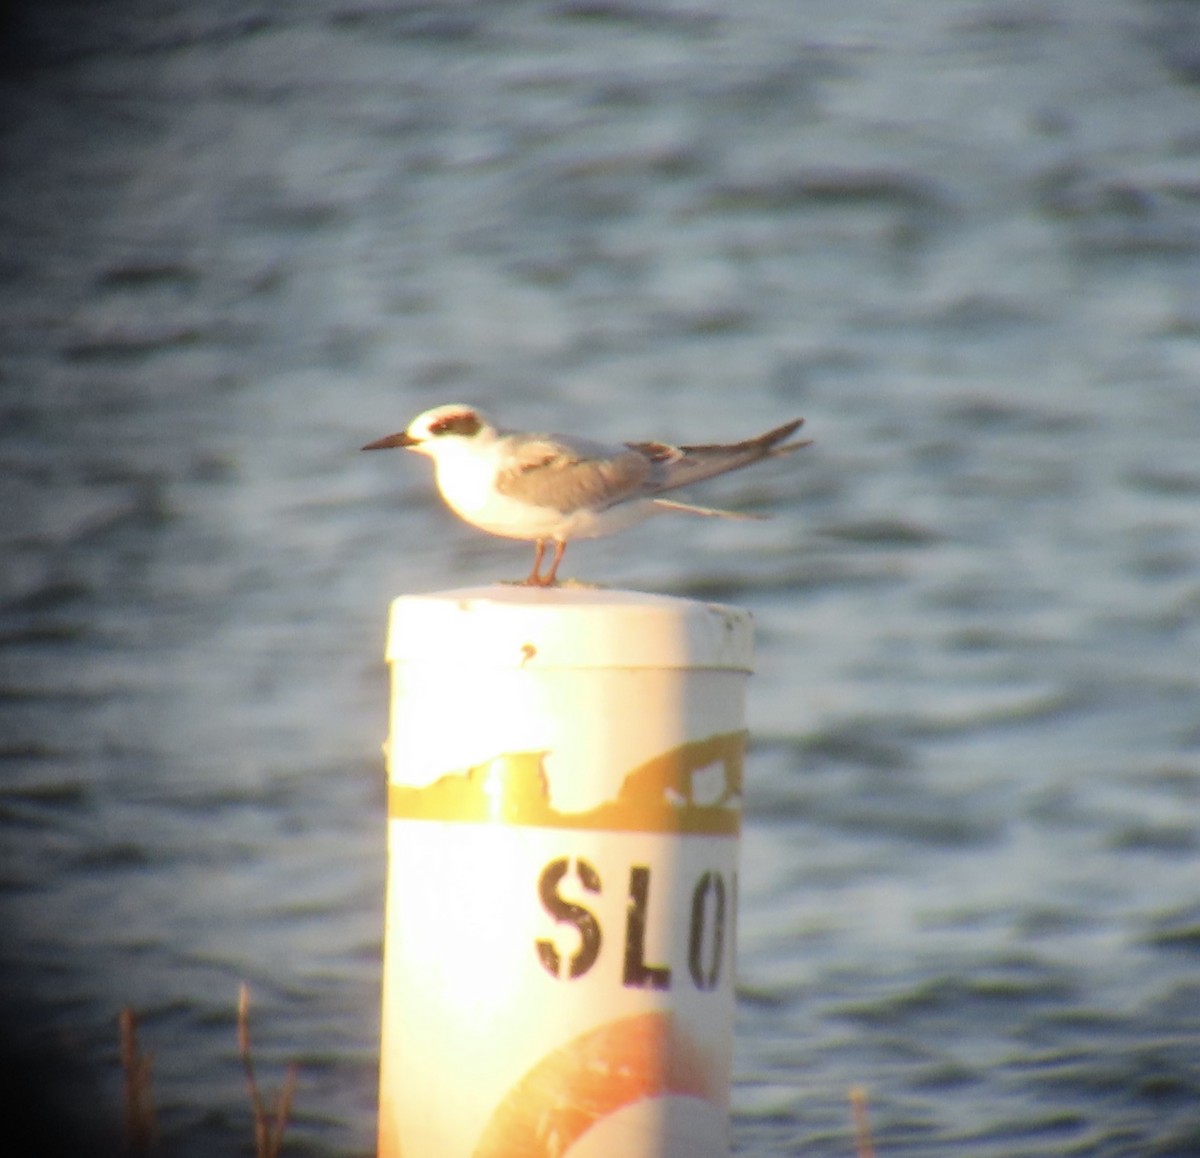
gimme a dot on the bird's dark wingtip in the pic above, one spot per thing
(782, 433)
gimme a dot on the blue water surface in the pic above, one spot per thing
(963, 240)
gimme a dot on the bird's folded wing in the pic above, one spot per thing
(563, 477)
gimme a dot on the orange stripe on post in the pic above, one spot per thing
(661, 795)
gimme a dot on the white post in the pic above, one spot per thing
(564, 802)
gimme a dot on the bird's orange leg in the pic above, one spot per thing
(551, 576)
(534, 579)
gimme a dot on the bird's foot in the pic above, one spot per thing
(530, 581)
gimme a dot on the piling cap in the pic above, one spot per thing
(567, 627)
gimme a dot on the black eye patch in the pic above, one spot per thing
(465, 424)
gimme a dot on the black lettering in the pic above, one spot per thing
(707, 978)
(733, 919)
(638, 974)
(567, 912)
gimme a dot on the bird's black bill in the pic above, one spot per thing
(401, 439)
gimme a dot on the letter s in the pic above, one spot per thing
(567, 912)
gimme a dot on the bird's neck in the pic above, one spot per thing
(465, 477)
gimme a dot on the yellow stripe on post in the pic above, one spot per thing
(564, 801)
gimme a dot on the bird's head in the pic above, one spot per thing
(436, 430)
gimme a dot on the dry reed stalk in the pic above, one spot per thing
(862, 1122)
(269, 1122)
(141, 1124)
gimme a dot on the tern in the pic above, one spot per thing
(552, 488)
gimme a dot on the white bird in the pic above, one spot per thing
(557, 487)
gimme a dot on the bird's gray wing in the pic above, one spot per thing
(566, 474)
(680, 466)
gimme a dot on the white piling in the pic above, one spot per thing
(564, 801)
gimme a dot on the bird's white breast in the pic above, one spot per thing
(466, 478)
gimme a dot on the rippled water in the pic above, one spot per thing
(963, 240)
